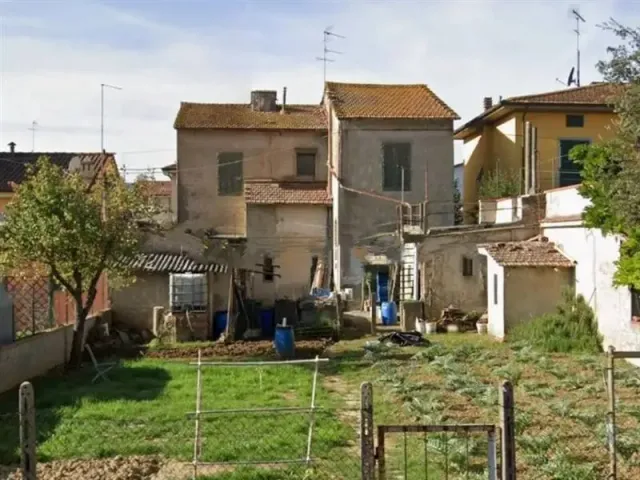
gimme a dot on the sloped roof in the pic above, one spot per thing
(387, 101)
(241, 116)
(172, 263)
(13, 165)
(596, 95)
(269, 192)
(530, 253)
(159, 188)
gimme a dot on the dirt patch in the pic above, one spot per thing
(117, 468)
(257, 349)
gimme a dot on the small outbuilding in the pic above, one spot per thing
(524, 280)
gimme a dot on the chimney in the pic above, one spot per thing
(12, 147)
(263, 100)
(284, 99)
(488, 103)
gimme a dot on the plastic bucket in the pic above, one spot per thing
(284, 341)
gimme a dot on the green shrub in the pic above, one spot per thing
(571, 329)
(499, 183)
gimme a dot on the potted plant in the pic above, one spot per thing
(483, 324)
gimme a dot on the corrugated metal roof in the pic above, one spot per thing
(172, 263)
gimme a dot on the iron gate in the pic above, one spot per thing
(415, 455)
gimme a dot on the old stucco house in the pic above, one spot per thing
(388, 145)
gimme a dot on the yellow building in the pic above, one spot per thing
(562, 119)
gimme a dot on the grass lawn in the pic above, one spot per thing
(560, 411)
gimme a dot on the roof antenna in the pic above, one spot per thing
(33, 127)
(579, 19)
(328, 33)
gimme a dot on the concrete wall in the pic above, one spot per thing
(565, 202)
(364, 219)
(532, 291)
(292, 235)
(266, 155)
(34, 356)
(596, 255)
(495, 298)
(440, 256)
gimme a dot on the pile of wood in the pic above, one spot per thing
(455, 316)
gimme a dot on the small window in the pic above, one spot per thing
(575, 121)
(188, 291)
(467, 267)
(635, 306)
(267, 269)
(230, 174)
(396, 166)
(306, 164)
(495, 289)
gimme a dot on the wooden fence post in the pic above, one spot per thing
(367, 447)
(611, 423)
(27, 432)
(373, 313)
(507, 426)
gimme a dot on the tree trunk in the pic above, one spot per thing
(75, 359)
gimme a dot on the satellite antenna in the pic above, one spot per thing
(328, 33)
(33, 128)
(579, 19)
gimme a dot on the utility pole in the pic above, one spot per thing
(327, 33)
(34, 124)
(579, 19)
(102, 87)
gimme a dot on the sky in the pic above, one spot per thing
(55, 54)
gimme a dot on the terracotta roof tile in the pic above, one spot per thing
(160, 188)
(278, 193)
(594, 94)
(527, 254)
(359, 100)
(241, 116)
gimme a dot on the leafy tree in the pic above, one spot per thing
(58, 224)
(611, 170)
(458, 217)
(499, 183)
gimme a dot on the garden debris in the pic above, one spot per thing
(455, 316)
(405, 339)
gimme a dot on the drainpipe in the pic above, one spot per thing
(524, 150)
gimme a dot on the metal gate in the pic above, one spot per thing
(433, 451)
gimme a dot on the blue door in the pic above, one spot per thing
(569, 171)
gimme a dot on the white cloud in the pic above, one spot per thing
(464, 50)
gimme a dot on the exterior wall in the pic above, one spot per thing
(552, 127)
(367, 219)
(565, 202)
(529, 209)
(502, 144)
(440, 257)
(292, 235)
(133, 305)
(5, 198)
(36, 355)
(532, 291)
(266, 155)
(495, 299)
(596, 255)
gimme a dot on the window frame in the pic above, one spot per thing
(306, 152)
(467, 266)
(574, 116)
(268, 269)
(226, 187)
(495, 289)
(389, 184)
(193, 299)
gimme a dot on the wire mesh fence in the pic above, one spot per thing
(31, 303)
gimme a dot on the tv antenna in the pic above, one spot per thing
(33, 128)
(328, 34)
(579, 19)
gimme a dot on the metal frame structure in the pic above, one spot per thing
(199, 412)
(490, 430)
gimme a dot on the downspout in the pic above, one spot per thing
(524, 160)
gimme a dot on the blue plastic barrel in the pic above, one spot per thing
(389, 313)
(267, 323)
(219, 323)
(284, 341)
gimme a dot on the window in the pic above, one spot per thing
(306, 163)
(495, 289)
(230, 176)
(575, 121)
(267, 269)
(635, 306)
(569, 172)
(396, 164)
(188, 291)
(467, 266)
